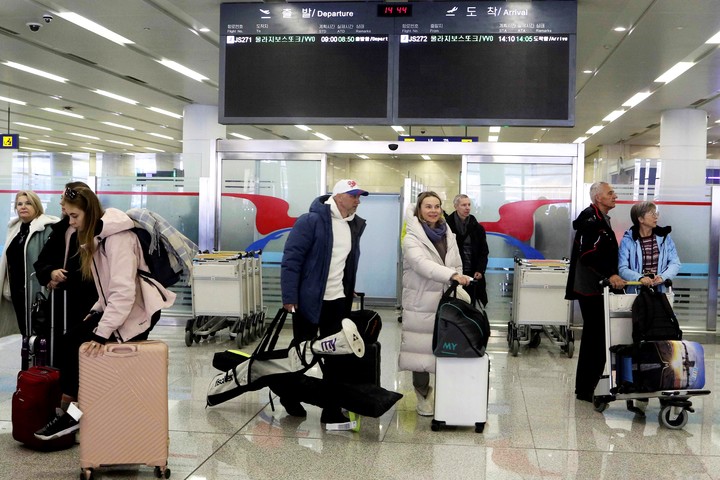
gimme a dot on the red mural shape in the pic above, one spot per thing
(517, 219)
(271, 213)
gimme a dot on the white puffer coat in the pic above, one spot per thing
(425, 278)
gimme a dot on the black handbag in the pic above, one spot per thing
(461, 330)
(40, 315)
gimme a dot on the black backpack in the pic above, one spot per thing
(653, 317)
(461, 330)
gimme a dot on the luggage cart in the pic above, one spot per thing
(674, 404)
(219, 297)
(539, 305)
(256, 310)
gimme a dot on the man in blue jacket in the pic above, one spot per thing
(317, 275)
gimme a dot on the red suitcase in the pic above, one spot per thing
(33, 406)
(124, 399)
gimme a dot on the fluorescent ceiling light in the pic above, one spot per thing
(714, 39)
(82, 135)
(304, 128)
(117, 125)
(121, 143)
(398, 128)
(595, 129)
(182, 69)
(674, 72)
(242, 137)
(35, 71)
(155, 149)
(614, 115)
(165, 112)
(635, 99)
(62, 112)
(322, 136)
(93, 149)
(161, 136)
(33, 149)
(493, 138)
(587, 71)
(619, 29)
(116, 97)
(580, 140)
(32, 126)
(494, 129)
(426, 157)
(53, 143)
(95, 28)
(364, 157)
(203, 29)
(12, 100)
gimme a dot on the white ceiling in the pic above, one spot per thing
(661, 33)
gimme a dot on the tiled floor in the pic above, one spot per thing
(535, 430)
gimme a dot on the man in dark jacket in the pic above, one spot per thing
(472, 242)
(317, 275)
(594, 258)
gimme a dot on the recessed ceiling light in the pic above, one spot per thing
(168, 137)
(364, 157)
(95, 28)
(493, 138)
(614, 115)
(165, 112)
(53, 143)
(397, 128)
(22, 124)
(62, 112)
(82, 135)
(426, 157)
(587, 71)
(494, 129)
(674, 72)
(304, 128)
(714, 39)
(93, 149)
(203, 29)
(182, 69)
(240, 136)
(155, 149)
(322, 136)
(12, 100)
(580, 140)
(595, 129)
(116, 97)
(33, 149)
(117, 125)
(620, 29)
(121, 143)
(35, 71)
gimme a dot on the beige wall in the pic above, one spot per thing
(387, 175)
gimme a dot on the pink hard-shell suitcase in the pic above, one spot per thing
(124, 399)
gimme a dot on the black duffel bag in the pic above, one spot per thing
(461, 330)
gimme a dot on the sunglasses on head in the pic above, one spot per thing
(70, 193)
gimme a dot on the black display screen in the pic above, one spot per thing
(489, 78)
(462, 63)
(309, 77)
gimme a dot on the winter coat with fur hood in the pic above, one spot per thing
(425, 278)
(126, 298)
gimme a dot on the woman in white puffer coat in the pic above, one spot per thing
(431, 260)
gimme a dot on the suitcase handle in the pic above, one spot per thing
(121, 350)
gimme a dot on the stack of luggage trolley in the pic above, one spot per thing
(539, 305)
(677, 362)
(226, 293)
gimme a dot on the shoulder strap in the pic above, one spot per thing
(272, 333)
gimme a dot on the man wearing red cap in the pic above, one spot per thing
(318, 272)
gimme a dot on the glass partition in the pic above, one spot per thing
(525, 209)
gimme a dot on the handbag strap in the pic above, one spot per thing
(451, 291)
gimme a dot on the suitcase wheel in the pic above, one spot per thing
(162, 472)
(479, 427)
(436, 425)
(86, 474)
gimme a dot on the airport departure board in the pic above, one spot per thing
(464, 63)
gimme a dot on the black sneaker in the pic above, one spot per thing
(61, 425)
(293, 408)
(333, 415)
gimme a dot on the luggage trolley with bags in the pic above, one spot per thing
(646, 356)
(462, 367)
(539, 305)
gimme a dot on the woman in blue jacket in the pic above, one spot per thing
(647, 253)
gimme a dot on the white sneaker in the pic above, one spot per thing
(425, 404)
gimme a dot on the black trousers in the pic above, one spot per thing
(331, 316)
(591, 358)
(69, 360)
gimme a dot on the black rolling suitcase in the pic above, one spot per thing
(39, 345)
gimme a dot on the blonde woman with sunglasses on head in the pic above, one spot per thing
(26, 235)
(647, 253)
